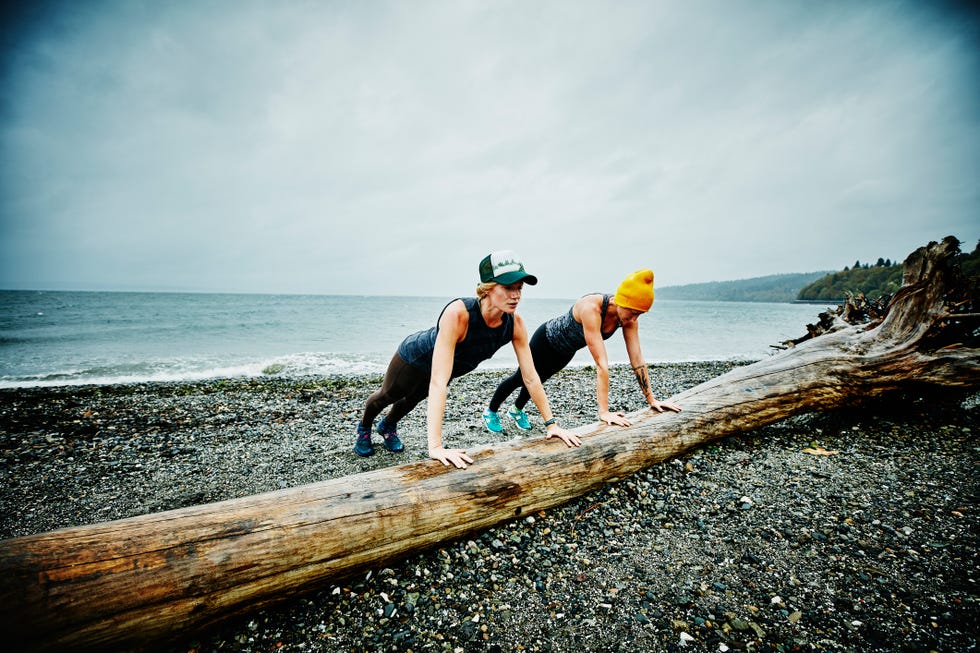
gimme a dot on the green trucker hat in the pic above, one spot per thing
(504, 267)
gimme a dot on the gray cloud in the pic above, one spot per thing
(385, 147)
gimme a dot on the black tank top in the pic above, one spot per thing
(481, 342)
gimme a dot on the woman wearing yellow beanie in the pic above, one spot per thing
(588, 323)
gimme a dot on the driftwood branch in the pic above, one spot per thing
(133, 582)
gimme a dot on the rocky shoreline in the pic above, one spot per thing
(851, 530)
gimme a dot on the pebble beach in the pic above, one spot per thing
(848, 530)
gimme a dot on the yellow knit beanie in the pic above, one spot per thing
(636, 291)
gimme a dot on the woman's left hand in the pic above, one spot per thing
(661, 406)
(569, 438)
(449, 457)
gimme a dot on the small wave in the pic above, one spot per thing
(169, 371)
(90, 378)
(317, 364)
(15, 340)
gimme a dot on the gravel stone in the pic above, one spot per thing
(848, 530)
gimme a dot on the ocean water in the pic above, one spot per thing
(64, 338)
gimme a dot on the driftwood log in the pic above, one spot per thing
(138, 581)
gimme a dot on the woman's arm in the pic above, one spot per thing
(631, 334)
(589, 313)
(534, 386)
(452, 329)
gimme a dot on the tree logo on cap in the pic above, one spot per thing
(503, 264)
(497, 264)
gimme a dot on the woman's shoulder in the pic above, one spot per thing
(592, 298)
(461, 306)
(456, 312)
(591, 303)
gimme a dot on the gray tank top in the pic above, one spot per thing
(566, 335)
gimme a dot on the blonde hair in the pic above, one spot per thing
(484, 288)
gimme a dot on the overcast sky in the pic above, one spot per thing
(385, 147)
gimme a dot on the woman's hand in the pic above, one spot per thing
(614, 418)
(661, 406)
(456, 457)
(569, 438)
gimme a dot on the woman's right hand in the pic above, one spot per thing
(456, 457)
(566, 436)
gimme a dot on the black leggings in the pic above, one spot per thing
(403, 388)
(548, 361)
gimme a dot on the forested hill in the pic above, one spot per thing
(774, 288)
(873, 280)
(881, 279)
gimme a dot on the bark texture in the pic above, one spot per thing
(133, 582)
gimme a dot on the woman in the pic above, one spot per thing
(468, 331)
(590, 321)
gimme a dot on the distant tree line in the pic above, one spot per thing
(773, 288)
(873, 281)
(883, 278)
(877, 280)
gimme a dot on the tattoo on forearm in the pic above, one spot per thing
(642, 378)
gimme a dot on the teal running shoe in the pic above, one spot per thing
(520, 418)
(492, 420)
(363, 447)
(390, 435)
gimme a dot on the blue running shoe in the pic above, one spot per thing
(363, 447)
(520, 418)
(390, 435)
(492, 420)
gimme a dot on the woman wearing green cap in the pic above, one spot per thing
(588, 323)
(469, 330)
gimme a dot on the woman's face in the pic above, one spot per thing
(628, 315)
(506, 298)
